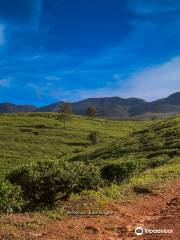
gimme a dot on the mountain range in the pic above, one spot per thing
(114, 107)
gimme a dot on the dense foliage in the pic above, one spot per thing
(10, 198)
(43, 181)
(158, 160)
(118, 172)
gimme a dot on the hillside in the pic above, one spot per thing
(153, 140)
(12, 108)
(112, 107)
(49, 108)
(40, 136)
(108, 107)
(167, 105)
(149, 195)
(26, 137)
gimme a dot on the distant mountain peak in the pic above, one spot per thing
(114, 107)
(173, 99)
(12, 108)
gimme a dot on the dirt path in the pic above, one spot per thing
(151, 211)
(161, 211)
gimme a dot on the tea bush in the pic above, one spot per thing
(118, 172)
(158, 161)
(10, 198)
(43, 181)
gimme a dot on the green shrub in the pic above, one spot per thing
(94, 137)
(87, 177)
(10, 198)
(158, 161)
(41, 182)
(118, 172)
(141, 164)
(38, 181)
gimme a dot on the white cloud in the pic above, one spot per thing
(35, 57)
(2, 38)
(149, 84)
(5, 82)
(52, 78)
(155, 82)
(37, 89)
(46, 89)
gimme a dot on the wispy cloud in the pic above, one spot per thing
(151, 83)
(45, 89)
(153, 6)
(138, 61)
(155, 82)
(5, 82)
(37, 13)
(52, 78)
(2, 38)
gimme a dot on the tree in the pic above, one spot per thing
(65, 112)
(94, 137)
(153, 118)
(91, 112)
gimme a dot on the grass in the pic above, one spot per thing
(28, 137)
(153, 179)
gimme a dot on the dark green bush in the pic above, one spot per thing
(140, 189)
(41, 182)
(94, 137)
(10, 198)
(118, 172)
(87, 177)
(38, 181)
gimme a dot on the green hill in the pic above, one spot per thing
(148, 140)
(27, 137)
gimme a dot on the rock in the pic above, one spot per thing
(92, 229)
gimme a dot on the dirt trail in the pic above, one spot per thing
(160, 211)
(151, 211)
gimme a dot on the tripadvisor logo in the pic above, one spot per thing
(139, 231)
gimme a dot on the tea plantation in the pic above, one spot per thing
(54, 161)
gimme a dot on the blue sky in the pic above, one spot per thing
(74, 49)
